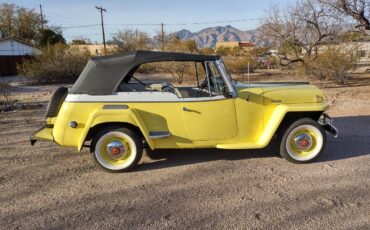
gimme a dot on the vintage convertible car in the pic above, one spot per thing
(119, 115)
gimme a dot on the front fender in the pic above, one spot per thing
(277, 115)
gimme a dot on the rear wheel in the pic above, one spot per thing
(303, 141)
(117, 149)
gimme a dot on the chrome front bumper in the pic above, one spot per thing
(327, 123)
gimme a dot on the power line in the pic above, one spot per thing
(81, 26)
(213, 22)
(167, 24)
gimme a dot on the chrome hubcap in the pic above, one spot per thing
(303, 141)
(116, 149)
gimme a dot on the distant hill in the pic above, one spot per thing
(209, 36)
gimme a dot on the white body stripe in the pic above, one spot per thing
(136, 97)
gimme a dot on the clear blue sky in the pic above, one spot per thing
(72, 13)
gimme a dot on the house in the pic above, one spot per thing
(244, 45)
(363, 56)
(12, 52)
(96, 49)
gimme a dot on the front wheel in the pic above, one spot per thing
(117, 149)
(303, 141)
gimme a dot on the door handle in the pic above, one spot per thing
(186, 109)
(190, 110)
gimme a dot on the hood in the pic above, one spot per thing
(282, 92)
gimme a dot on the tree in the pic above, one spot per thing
(359, 10)
(301, 30)
(28, 24)
(78, 42)
(130, 40)
(19, 22)
(49, 37)
(7, 21)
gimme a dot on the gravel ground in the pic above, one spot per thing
(50, 187)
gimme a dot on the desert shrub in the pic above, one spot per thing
(207, 51)
(331, 64)
(4, 93)
(229, 51)
(57, 64)
(239, 64)
(267, 62)
(180, 71)
(177, 45)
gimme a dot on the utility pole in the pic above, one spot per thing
(101, 9)
(42, 18)
(162, 35)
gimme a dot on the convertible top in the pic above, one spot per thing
(102, 75)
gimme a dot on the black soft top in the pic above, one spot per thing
(102, 75)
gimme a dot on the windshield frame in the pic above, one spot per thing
(226, 76)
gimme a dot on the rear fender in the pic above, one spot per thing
(129, 116)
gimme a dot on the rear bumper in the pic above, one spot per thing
(327, 123)
(43, 133)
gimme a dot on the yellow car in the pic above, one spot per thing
(118, 114)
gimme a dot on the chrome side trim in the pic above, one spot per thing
(159, 135)
(115, 107)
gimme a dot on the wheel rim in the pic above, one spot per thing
(115, 150)
(304, 142)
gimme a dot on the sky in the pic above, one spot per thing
(80, 18)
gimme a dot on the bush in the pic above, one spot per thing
(239, 64)
(332, 64)
(4, 93)
(57, 64)
(181, 72)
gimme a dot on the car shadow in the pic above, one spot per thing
(177, 157)
(353, 141)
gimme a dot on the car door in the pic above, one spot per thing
(213, 117)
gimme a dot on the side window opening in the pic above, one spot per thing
(184, 79)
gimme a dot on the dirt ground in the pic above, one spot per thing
(50, 187)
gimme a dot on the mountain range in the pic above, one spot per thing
(209, 36)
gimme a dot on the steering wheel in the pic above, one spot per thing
(168, 87)
(202, 86)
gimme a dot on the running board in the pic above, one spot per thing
(239, 146)
(159, 135)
